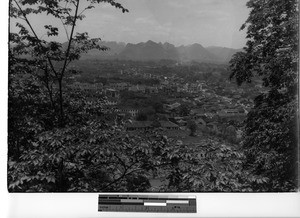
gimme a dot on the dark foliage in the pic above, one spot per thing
(271, 54)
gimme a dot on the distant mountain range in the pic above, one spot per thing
(222, 53)
(152, 51)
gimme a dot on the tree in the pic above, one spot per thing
(213, 166)
(141, 117)
(146, 114)
(86, 155)
(271, 54)
(42, 115)
(25, 120)
(49, 60)
(193, 128)
(184, 110)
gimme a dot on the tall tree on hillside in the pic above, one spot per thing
(49, 59)
(271, 54)
(41, 113)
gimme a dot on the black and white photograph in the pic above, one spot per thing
(153, 96)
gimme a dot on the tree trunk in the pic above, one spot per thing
(61, 108)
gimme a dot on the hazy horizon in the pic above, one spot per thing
(162, 42)
(207, 22)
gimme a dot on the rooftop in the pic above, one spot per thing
(143, 124)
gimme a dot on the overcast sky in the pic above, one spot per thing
(208, 22)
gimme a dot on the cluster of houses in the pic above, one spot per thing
(206, 107)
(206, 121)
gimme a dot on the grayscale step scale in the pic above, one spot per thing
(147, 203)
